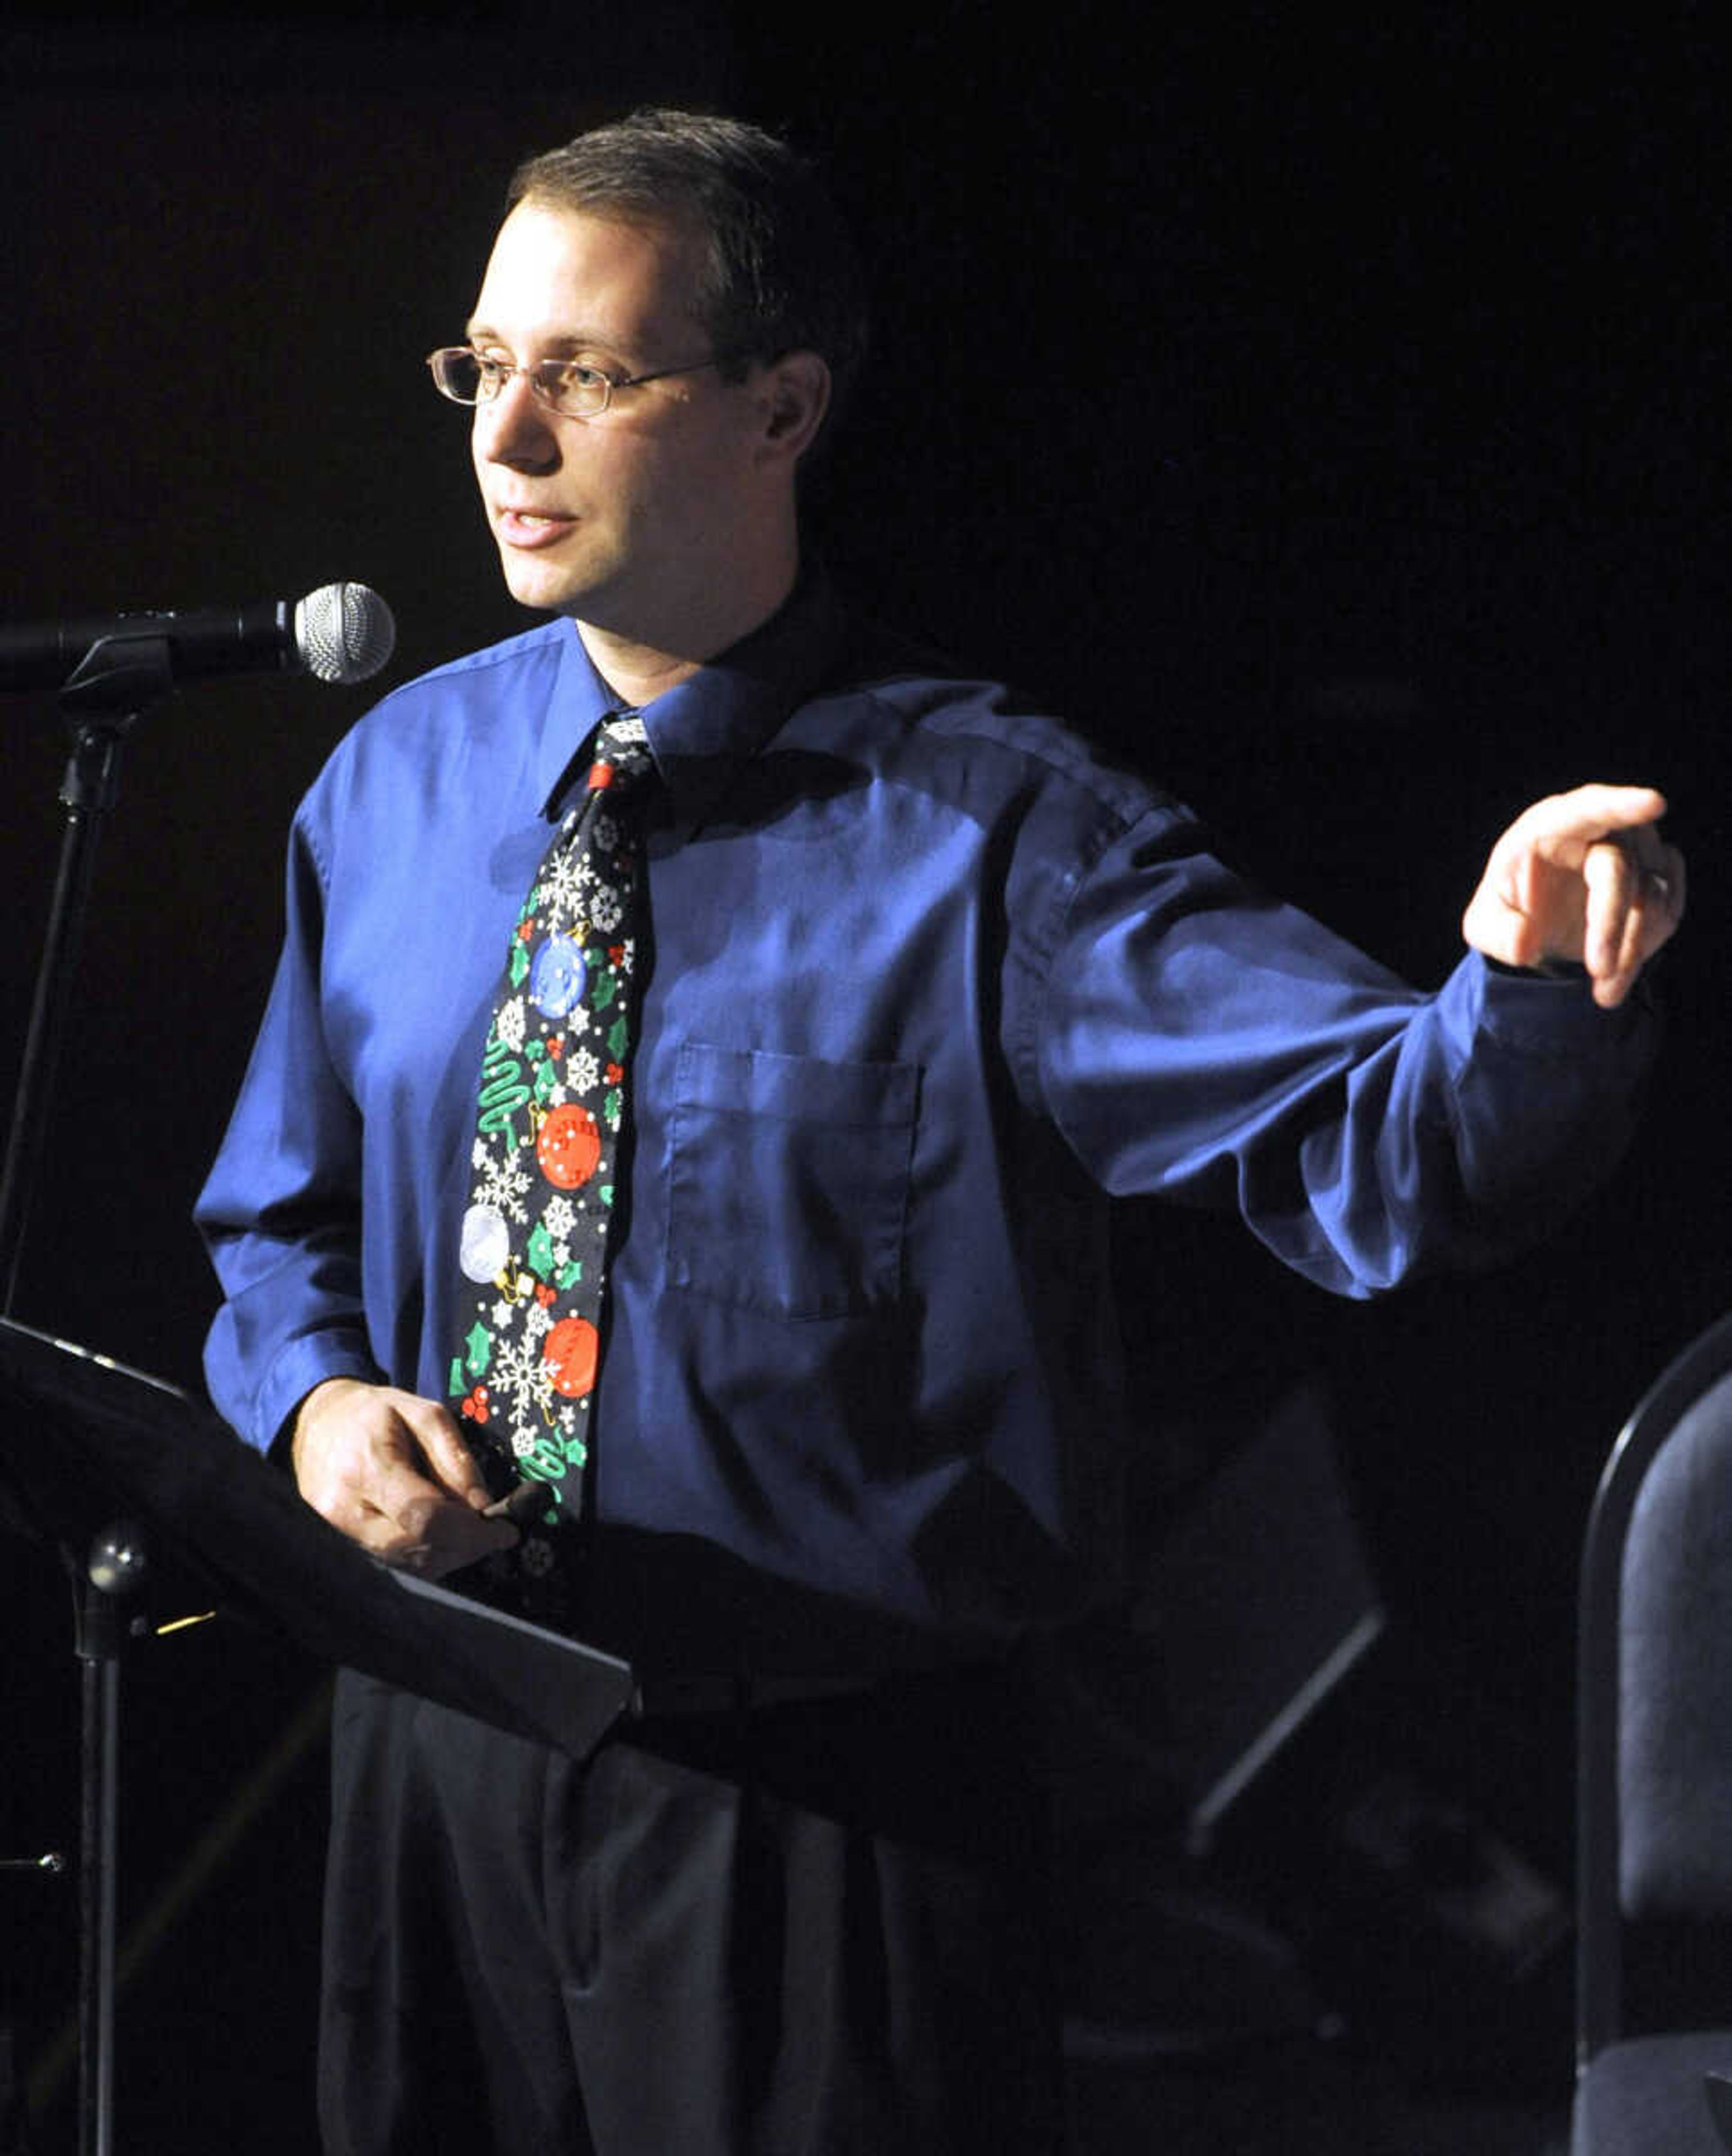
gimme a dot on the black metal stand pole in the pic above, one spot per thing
(118, 681)
(115, 1569)
(99, 1840)
(92, 775)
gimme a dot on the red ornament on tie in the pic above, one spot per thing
(567, 1145)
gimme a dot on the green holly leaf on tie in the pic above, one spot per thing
(479, 1351)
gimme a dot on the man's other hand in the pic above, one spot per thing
(1582, 878)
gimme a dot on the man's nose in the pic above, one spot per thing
(514, 426)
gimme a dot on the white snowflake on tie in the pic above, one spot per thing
(502, 1183)
(565, 886)
(521, 1380)
(509, 1024)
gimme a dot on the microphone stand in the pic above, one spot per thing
(118, 680)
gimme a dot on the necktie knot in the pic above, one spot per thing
(621, 756)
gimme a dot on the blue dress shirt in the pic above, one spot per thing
(926, 984)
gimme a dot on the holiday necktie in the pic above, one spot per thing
(550, 1106)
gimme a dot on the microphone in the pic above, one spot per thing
(339, 633)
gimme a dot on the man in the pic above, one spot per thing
(916, 985)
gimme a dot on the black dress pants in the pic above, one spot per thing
(810, 1930)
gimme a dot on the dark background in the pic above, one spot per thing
(1325, 412)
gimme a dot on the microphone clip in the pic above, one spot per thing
(119, 679)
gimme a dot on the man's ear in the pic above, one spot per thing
(796, 396)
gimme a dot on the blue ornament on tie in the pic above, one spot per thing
(557, 977)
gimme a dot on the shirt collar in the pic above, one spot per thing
(705, 728)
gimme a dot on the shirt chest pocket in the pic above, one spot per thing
(787, 1179)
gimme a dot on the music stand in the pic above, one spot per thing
(98, 1456)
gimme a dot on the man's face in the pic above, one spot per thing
(626, 519)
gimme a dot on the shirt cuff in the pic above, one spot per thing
(1550, 1010)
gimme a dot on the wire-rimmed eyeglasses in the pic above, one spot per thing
(569, 387)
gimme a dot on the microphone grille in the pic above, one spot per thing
(344, 631)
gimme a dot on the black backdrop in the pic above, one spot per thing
(1329, 418)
